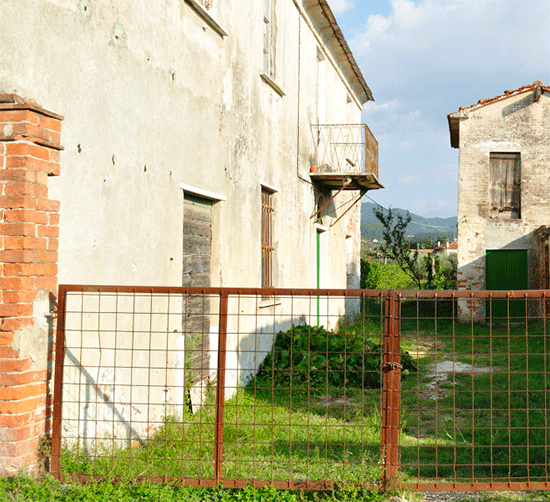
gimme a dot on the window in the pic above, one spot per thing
(268, 72)
(505, 185)
(321, 88)
(267, 237)
(267, 38)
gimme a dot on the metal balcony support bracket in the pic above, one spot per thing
(357, 199)
(344, 185)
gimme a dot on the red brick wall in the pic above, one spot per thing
(29, 154)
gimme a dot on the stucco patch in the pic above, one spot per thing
(118, 35)
(85, 7)
(32, 341)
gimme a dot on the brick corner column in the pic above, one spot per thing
(29, 154)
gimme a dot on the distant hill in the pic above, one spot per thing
(418, 228)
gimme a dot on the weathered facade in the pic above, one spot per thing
(504, 194)
(189, 132)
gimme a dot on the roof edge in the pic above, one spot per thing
(327, 11)
(321, 20)
(454, 118)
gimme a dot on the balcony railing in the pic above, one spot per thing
(345, 148)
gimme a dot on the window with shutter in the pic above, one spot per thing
(505, 185)
(268, 62)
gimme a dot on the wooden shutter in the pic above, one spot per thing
(504, 182)
(197, 255)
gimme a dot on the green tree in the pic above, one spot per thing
(395, 245)
(442, 272)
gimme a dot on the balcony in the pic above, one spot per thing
(346, 157)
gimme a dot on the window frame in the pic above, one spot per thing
(266, 236)
(267, 72)
(267, 63)
(505, 185)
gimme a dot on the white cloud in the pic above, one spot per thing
(375, 107)
(424, 59)
(407, 180)
(406, 145)
(429, 41)
(339, 6)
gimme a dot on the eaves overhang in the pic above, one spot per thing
(454, 129)
(324, 21)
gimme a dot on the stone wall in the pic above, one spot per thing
(516, 123)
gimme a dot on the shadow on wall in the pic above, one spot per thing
(94, 394)
(519, 265)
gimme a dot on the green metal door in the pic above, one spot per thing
(506, 269)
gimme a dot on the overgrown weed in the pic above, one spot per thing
(21, 488)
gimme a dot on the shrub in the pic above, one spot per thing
(312, 357)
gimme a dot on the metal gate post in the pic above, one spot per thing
(220, 389)
(391, 391)
(55, 465)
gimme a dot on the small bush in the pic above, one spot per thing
(314, 358)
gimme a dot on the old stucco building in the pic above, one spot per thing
(141, 142)
(504, 194)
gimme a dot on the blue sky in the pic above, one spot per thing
(423, 59)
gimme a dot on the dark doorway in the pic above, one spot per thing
(197, 255)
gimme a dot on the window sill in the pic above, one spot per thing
(269, 81)
(202, 12)
(269, 302)
(505, 215)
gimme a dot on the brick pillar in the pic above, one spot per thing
(29, 154)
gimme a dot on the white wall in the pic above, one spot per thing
(152, 97)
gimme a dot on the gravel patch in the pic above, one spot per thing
(440, 372)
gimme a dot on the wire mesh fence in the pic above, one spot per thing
(302, 388)
(475, 413)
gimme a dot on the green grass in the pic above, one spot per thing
(268, 435)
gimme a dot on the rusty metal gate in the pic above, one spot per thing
(309, 389)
